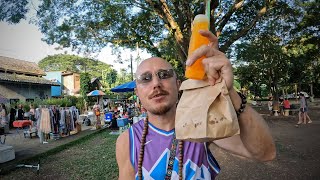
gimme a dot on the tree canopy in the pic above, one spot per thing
(64, 62)
(156, 26)
(277, 30)
(284, 50)
(13, 11)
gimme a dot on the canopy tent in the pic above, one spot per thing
(126, 87)
(96, 93)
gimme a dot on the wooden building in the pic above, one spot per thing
(23, 80)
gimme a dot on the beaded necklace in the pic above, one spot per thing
(172, 153)
(171, 158)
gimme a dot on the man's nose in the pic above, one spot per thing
(156, 81)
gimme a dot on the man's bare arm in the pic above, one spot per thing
(126, 170)
(255, 140)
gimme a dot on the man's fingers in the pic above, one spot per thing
(212, 69)
(198, 53)
(212, 38)
(204, 50)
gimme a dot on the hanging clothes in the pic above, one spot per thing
(55, 119)
(51, 117)
(72, 123)
(37, 116)
(45, 122)
(62, 121)
(68, 122)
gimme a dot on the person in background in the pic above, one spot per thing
(286, 104)
(13, 112)
(3, 119)
(20, 113)
(303, 115)
(96, 110)
(306, 116)
(3, 113)
(143, 112)
(302, 110)
(120, 109)
(281, 105)
(31, 113)
(270, 104)
(126, 115)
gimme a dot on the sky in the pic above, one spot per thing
(23, 41)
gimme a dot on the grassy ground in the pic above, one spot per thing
(93, 157)
(89, 158)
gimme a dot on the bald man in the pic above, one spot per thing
(149, 149)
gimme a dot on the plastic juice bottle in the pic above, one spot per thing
(196, 70)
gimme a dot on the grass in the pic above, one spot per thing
(91, 157)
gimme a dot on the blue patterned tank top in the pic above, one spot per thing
(198, 162)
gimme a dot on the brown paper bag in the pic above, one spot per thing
(205, 112)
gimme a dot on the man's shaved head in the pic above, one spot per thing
(153, 61)
(157, 95)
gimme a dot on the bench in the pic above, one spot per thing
(290, 111)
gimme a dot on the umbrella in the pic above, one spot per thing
(96, 93)
(126, 87)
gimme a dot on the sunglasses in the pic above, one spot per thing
(162, 74)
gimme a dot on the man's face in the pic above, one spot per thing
(157, 94)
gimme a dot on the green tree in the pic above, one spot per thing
(63, 62)
(294, 26)
(13, 11)
(109, 77)
(85, 85)
(126, 22)
(263, 61)
(123, 77)
(303, 46)
(89, 26)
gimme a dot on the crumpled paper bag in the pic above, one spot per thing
(204, 112)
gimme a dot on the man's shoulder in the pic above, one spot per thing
(123, 138)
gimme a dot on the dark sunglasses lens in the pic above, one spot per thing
(145, 78)
(165, 74)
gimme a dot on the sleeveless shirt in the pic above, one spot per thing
(198, 162)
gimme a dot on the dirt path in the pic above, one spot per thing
(298, 152)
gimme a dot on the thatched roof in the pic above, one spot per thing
(20, 66)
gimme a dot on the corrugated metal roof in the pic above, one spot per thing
(19, 66)
(26, 79)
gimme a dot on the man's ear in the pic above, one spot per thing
(136, 91)
(178, 84)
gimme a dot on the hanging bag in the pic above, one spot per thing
(204, 112)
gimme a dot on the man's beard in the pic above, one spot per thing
(160, 110)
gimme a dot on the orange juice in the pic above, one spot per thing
(196, 70)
